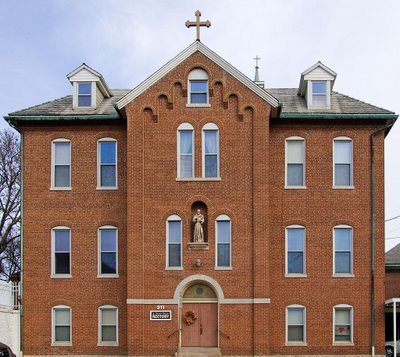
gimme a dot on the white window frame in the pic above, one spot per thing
(295, 275)
(199, 75)
(53, 253)
(351, 273)
(343, 307)
(350, 140)
(296, 343)
(99, 142)
(223, 217)
(75, 99)
(184, 127)
(53, 326)
(172, 218)
(99, 273)
(209, 127)
(100, 324)
(287, 141)
(310, 94)
(53, 165)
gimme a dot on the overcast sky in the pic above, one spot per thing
(126, 41)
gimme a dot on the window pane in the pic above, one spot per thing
(295, 175)
(62, 154)
(108, 239)
(61, 176)
(84, 88)
(61, 240)
(108, 263)
(342, 316)
(109, 316)
(342, 152)
(342, 333)
(186, 166)
(295, 263)
(61, 263)
(62, 334)
(211, 165)
(108, 333)
(342, 262)
(62, 316)
(295, 239)
(198, 86)
(295, 316)
(342, 239)
(174, 259)
(108, 177)
(224, 231)
(210, 141)
(295, 154)
(319, 87)
(342, 175)
(174, 231)
(223, 259)
(84, 101)
(198, 97)
(295, 333)
(186, 142)
(107, 152)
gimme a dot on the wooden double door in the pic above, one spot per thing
(199, 325)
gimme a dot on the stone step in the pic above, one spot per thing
(199, 352)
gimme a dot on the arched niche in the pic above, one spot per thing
(197, 208)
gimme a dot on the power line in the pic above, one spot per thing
(391, 219)
(392, 238)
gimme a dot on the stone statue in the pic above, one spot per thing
(198, 233)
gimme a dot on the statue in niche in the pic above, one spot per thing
(198, 233)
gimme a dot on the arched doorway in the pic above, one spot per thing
(199, 316)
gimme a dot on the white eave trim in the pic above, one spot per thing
(196, 46)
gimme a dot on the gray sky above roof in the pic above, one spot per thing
(126, 41)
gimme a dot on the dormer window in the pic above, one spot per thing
(198, 88)
(85, 94)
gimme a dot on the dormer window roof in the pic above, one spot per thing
(316, 86)
(89, 87)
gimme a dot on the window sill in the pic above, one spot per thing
(107, 276)
(190, 105)
(60, 188)
(173, 268)
(295, 187)
(61, 343)
(223, 268)
(287, 275)
(343, 275)
(343, 343)
(108, 344)
(296, 344)
(105, 188)
(199, 179)
(61, 276)
(343, 187)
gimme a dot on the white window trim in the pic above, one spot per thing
(343, 343)
(310, 94)
(99, 274)
(198, 74)
(173, 217)
(295, 138)
(295, 275)
(99, 333)
(53, 326)
(211, 127)
(75, 100)
(223, 217)
(344, 275)
(99, 186)
(351, 186)
(296, 343)
(53, 252)
(53, 166)
(184, 127)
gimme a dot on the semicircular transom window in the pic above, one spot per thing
(200, 292)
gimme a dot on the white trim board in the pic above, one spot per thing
(176, 302)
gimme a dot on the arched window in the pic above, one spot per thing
(343, 323)
(342, 250)
(61, 164)
(108, 251)
(62, 325)
(295, 251)
(107, 163)
(174, 242)
(295, 324)
(185, 151)
(342, 162)
(295, 162)
(61, 252)
(210, 150)
(108, 325)
(198, 87)
(223, 239)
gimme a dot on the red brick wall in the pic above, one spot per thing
(392, 283)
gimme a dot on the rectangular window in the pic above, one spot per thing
(296, 324)
(174, 243)
(61, 174)
(343, 158)
(210, 147)
(62, 325)
(61, 251)
(343, 242)
(319, 94)
(108, 325)
(85, 94)
(186, 153)
(295, 162)
(343, 324)
(295, 245)
(198, 92)
(223, 243)
(108, 163)
(108, 251)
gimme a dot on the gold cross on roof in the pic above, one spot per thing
(197, 23)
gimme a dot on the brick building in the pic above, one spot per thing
(202, 212)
